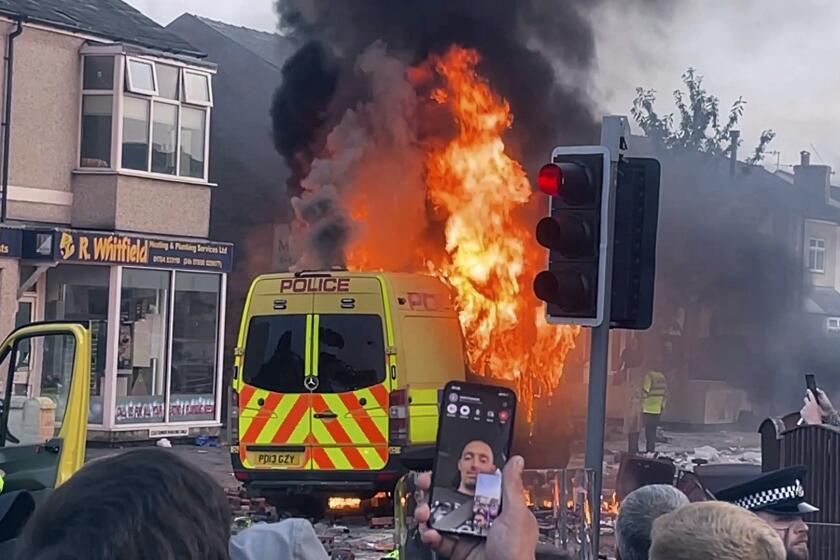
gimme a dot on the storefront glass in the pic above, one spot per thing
(195, 329)
(142, 346)
(80, 293)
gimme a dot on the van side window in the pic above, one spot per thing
(274, 353)
(351, 352)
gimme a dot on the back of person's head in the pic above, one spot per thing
(639, 509)
(716, 530)
(292, 539)
(138, 505)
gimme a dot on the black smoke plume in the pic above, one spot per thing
(523, 43)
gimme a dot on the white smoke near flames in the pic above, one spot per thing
(373, 163)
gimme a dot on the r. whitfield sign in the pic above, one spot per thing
(94, 247)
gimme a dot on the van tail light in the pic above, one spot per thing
(398, 417)
(242, 476)
(233, 415)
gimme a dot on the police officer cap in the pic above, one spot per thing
(781, 492)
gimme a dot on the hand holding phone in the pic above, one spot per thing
(473, 444)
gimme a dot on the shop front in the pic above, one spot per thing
(156, 309)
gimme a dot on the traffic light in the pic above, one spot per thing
(575, 233)
(634, 243)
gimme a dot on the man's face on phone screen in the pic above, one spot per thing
(476, 457)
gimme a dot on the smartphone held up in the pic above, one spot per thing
(474, 440)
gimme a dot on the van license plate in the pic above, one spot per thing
(275, 459)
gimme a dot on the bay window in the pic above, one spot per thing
(163, 109)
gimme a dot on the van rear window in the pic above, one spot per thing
(351, 352)
(274, 353)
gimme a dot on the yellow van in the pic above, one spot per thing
(337, 377)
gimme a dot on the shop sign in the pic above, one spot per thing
(148, 409)
(10, 242)
(111, 248)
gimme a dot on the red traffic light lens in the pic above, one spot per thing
(550, 179)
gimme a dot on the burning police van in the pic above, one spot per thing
(336, 379)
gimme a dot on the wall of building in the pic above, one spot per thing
(45, 121)
(140, 204)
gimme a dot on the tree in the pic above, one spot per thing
(699, 127)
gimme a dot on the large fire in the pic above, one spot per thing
(490, 258)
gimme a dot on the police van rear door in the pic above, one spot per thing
(349, 405)
(274, 401)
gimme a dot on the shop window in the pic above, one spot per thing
(164, 105)
(351, 352)
(274, 353)
(142, 346)
(195, 327)
(80, 293)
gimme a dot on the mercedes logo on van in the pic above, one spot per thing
(310, 382)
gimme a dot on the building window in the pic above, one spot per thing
(816, 255)
(195, 328)
(165, 111)
(832, 325)
(135, 143)
(142, 348)
(80, 293)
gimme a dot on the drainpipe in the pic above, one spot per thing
(7, 116)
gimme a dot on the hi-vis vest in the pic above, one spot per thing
(654, 391)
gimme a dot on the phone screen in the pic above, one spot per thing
(474, 438)
(811, 383)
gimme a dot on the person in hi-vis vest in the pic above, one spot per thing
(654, 395)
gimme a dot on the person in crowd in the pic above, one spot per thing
(778, 498)
(513, 536)
(476, 458)
(143, 504)
(818, 409)
(639, 509)
(654, 396)
(292, 539)
(714, 530)
(453, 505)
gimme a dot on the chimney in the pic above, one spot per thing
(804, 158)
(734, 135)
(813, 180)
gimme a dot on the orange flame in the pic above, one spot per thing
(610, 507)
(490, 256)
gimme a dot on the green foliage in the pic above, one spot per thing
(699, 127)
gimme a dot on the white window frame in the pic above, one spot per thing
(817, 249)
(832, 325)
(199, 103)
(115, 110)
(121, 90)
(130, 81)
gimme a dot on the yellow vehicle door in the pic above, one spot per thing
(272, 385)
(350, 403)
(43, 423)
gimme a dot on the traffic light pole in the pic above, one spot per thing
(614, 134)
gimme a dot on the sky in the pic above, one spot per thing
(781, 56)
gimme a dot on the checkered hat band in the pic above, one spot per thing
(771, 497)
